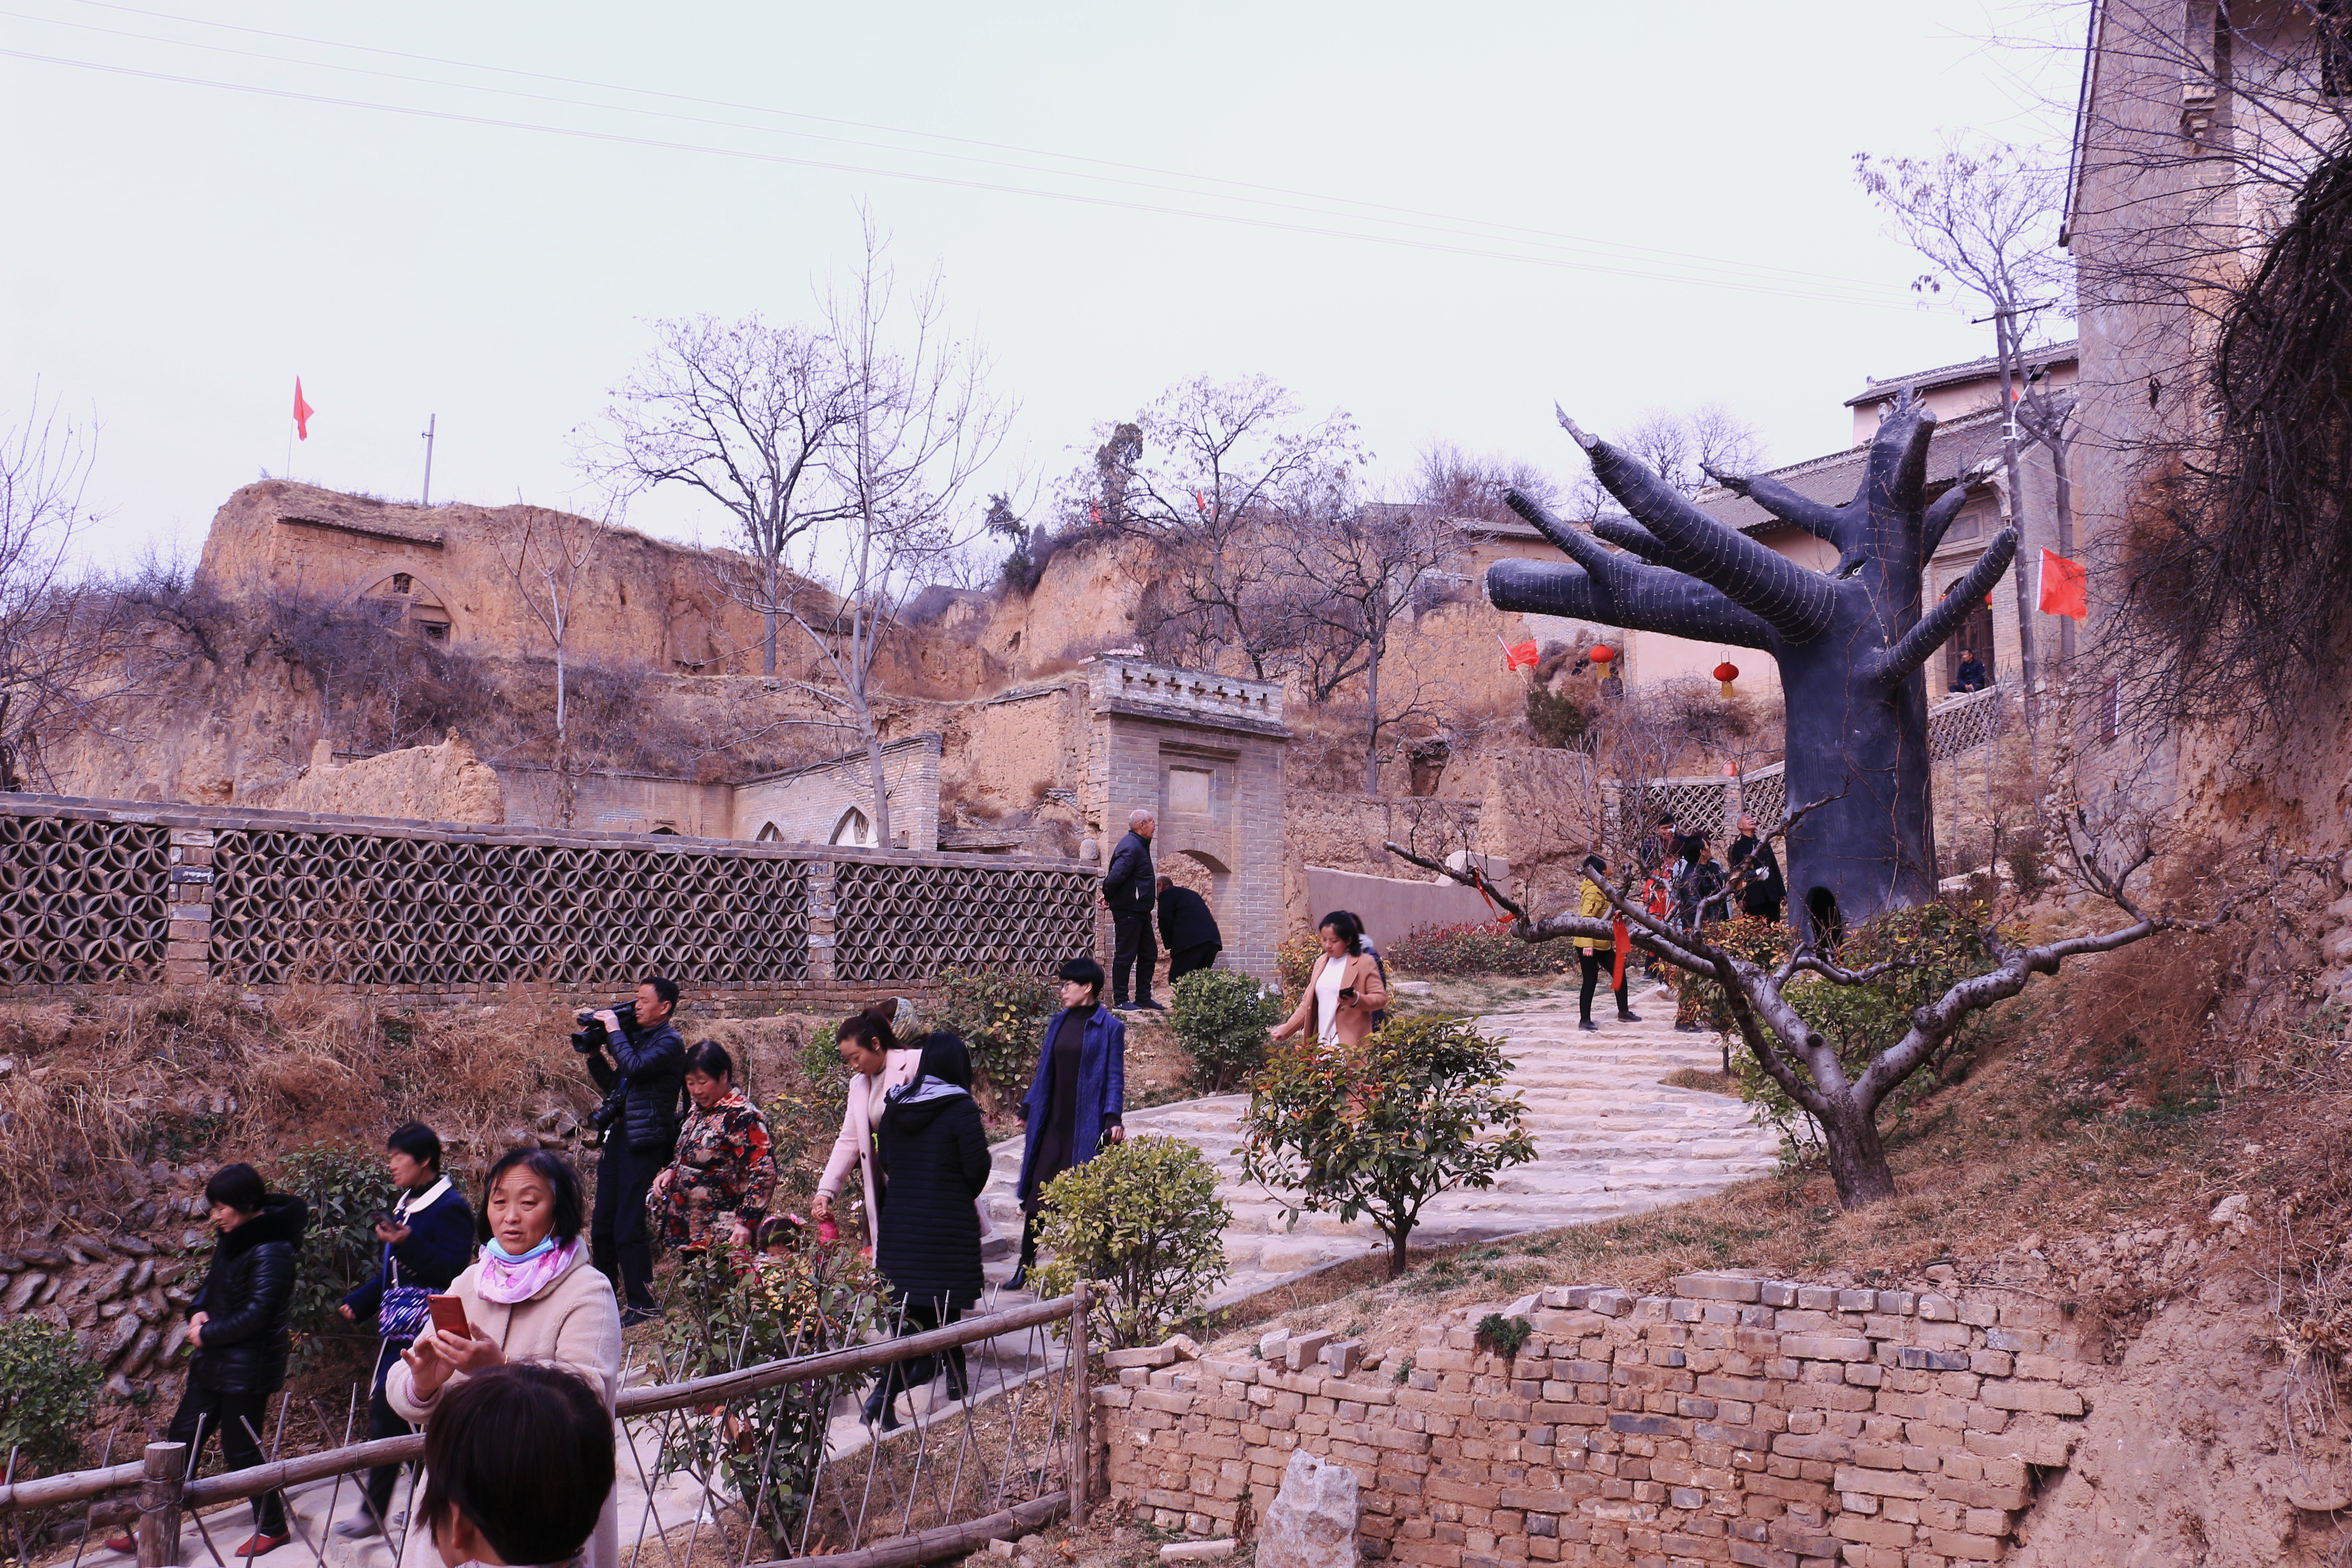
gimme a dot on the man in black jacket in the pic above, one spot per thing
(240, 1323)
(1129, 893)
(1188, 930)
(646, 1076)
(428, 1244)
(1757, 873)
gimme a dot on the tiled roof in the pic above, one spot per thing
(1969, 370)
(1958, 445)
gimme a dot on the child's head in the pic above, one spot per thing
(517, 1463)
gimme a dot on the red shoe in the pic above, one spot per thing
(121, 1543)
(261, 1543)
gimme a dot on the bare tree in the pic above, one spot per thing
(2105, 858)
(1458, 484)
(919, 424)
(743, 412)
(1684, 448)
(66, 645)
(1987, 219)
(1356, 572)
(548, 556)
(1213, 471)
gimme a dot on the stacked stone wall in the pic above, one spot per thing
(1734, 1421)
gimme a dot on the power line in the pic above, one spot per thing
(1536, 234)
(1782, 282)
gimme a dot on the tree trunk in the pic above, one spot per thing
(768, 642)
(882, 836)
(1857, 1159)
(1397, 1238)
(1373, 723)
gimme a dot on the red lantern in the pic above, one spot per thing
(1727, 672)
(1600, 654)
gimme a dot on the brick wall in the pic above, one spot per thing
(804, 805)
(1735, 1421)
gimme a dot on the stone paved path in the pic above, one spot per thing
(1612, 1140)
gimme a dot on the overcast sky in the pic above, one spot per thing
(1440, 219)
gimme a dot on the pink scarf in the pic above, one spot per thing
(508, 1283)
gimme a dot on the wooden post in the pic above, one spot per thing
(160, 1489)
(1082, 1398)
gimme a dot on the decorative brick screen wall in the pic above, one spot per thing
(1736, 1420)
(113, 892)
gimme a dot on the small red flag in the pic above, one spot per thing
(2064, 585)
(1524, 657)
(303, 412)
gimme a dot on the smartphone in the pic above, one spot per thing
(1346, 994)
(449, 1314)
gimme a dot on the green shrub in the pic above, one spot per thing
(1222, 1015)
(725, 1315)
(1144, 1219)
(45, 1393)
(1002, 1017)
(1936, 945)
(343, 1183)
(1558, 722)
(1380, 1129)
(1448, 951)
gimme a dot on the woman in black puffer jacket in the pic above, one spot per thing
(934, 1162)
(239, 1323)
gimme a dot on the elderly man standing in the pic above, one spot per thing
(1129, 892)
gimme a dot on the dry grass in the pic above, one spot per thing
(1703, 1080)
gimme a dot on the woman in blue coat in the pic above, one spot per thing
(1077, 1098)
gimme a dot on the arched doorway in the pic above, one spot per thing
(855, 830)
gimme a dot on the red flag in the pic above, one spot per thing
(1524, 657)
(1621, 942)
(2063, 584)
(303, 412)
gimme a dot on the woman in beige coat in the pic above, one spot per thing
(877, 1065)
(531, 1296)
(1344, 991)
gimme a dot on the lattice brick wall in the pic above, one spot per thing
(357, 909)
(898, 923)
(81, 903)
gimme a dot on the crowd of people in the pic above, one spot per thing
(515, 1384)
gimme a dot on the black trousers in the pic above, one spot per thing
(1765, 910)
(239, 1419)
(1183, 960)
(1134, 950)
(384, 1421)
(620, 1242)
(920, 1315)
(1592, 963)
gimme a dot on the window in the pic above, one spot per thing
(401, 582)
(2111, 710)
(1187, 792)
(855, 829)
(435, 631)
(769, 834)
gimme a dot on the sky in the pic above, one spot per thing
(1440, 219)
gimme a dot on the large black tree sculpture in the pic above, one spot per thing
(1850, 642)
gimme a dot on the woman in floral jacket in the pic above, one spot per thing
(719, 1184)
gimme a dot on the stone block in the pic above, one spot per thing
(1570, 1298)
(1857, 1300)
(1312, 1522)
(1935, 1308)
(1197, 1550)
(1825, 1347)
(1717, 1288)
(1609, 1303)
(1966, 1548)
(1302, 1351)
(1918, 1358)
(1341, 1357)
(1142, 1355)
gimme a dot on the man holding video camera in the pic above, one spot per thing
(636, 1129)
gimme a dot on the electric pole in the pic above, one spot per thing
(431, 420)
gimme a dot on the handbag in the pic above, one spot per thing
(401, 1314)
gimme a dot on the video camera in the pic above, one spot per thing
(589, 1038)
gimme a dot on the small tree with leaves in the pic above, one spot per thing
(1379, 1130)
(1144, 1219)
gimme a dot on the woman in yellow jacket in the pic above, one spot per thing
(1591, 953)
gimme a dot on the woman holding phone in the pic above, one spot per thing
(531, 1295)
(1344, 991)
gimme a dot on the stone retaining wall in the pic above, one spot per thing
(110, 892)
(1735, 1420)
